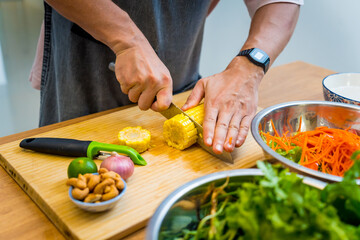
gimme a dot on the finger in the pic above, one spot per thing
(125, 87)
(146, 99)
(196, 95)
(233, 132)
(244, 129)
(209, 124)
(163, 100)
(134, 93)
(221, 130)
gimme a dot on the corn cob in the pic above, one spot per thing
(180, 132)
(135, 137)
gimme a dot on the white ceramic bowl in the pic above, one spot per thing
(342, 87)
(98, 207)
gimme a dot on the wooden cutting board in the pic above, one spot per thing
(43, 176)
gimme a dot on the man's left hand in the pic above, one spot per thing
(230, 101)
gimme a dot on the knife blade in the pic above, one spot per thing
(174, 110)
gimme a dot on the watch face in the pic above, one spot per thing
(258, 55)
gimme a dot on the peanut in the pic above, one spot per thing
(119, 183)
(93, 188)
(111, 194)
(93, 181)
(99, 189)
(80, 194)
(82, 177)
(92, 197)
(103, 170)
(110, 174)
(76, 183)
(107, 189)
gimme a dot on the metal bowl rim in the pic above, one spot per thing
(161, 211)
(256, 134)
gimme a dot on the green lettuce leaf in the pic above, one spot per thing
(345, 195)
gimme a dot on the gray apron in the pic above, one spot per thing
(75, 78)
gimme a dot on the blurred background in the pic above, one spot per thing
(326, 35)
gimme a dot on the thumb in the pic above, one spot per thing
(195, 97)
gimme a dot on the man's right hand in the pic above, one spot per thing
(140, 72)
(143, 77)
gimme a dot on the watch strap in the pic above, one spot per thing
(246, 53)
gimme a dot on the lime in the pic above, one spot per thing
(81, 165)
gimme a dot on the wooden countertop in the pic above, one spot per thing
(20, 218)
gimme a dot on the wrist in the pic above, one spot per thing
(123, 34)
(241, 66)
(251, 66)
(119, 45)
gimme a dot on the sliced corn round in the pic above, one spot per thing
(135, 137)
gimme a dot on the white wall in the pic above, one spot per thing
(327, 35)
(19, 30)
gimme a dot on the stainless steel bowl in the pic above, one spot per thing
(286, 117)
(164, 212)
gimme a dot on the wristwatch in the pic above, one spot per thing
(257, 57)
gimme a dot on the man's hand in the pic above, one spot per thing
(138, 69)
(230, 103)
(143, 77)
(231, 96)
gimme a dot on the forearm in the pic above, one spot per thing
(140, 72)
(104, 20)
(271, 28)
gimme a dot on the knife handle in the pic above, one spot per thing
(112, 66)
(58, 146)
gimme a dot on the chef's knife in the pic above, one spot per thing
(174, 110)
(77, 148)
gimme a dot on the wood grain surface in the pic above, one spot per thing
(21, 219)
(43, 176)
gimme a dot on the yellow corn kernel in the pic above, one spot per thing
(180, 132)
(197, 113)
(135, 137)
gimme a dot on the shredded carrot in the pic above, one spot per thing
(230, 140)
(324, 149)
(300, 124)
(303, 160)
(273, 127)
